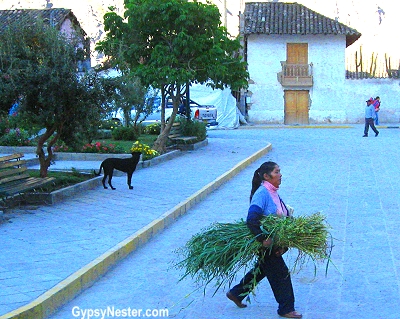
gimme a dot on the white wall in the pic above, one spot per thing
(333, 98)
(356, 92)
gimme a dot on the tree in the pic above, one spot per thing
(128, 94)
(170, 44)
(39, 64)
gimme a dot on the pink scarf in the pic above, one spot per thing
(273, 191)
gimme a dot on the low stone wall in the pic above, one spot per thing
(17, 149)
(62, 156)
(64, 193)
(192, 147)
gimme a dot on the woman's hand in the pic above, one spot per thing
(267, 242)
(280, 251)
(290, 210)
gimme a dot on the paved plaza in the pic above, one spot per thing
(354, 181)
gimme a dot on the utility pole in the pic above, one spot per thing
(225, 16)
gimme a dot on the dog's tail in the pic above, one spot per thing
(99, 173)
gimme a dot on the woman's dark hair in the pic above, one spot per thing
(258, 177)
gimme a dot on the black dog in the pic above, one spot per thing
(126, 165)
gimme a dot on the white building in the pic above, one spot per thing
(296, 62)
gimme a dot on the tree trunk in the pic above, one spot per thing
(163, 101)
(160, 145)
(127, 118)
(43, 160)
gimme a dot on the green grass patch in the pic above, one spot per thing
(126, 145)
(62, 179)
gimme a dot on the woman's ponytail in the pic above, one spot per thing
(258, 177)
(255, 183)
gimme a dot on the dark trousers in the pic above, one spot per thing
(370, 123)
(277, 273)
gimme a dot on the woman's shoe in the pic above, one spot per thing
(292, 314)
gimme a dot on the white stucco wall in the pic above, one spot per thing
(67, 28)
(333, 99)
(358, 91)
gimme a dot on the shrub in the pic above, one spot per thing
(110, 124)
(4, 125)
(104, 134)
(101, 148)
(61, 148)
(23, 122)
(15, 137)
(97, 147)
(125, 133)
(147, 152)
(193, 128)
(153, 129)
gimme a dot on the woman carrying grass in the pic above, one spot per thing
(264, 201)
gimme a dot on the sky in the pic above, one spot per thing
(377, 20)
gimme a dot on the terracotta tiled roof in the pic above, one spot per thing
(54, 16)
(292, 18)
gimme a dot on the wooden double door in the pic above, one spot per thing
(297, 101)
(296, 106)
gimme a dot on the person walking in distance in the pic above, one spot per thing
(370, 115)
(377, 106)
(264, 200)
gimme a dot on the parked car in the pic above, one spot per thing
(203, 113)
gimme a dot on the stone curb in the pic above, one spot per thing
(278, 126)
(282, 126)
(69, 288)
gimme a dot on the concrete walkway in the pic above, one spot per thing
(54, 252)
(354, 181)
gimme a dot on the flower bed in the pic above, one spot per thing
(97, 147)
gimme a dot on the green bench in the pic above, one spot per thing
(14, 178)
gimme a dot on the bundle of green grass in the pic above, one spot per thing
(218, 252)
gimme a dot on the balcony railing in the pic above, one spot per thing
(296, 75)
